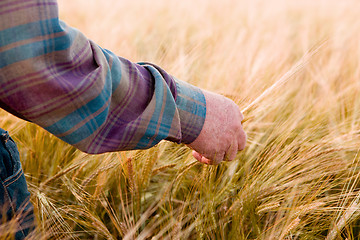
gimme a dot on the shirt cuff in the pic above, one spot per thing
(191, 105)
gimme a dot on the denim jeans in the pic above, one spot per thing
(16, 211)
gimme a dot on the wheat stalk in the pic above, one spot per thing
(296, 68)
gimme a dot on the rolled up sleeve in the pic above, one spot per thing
(52, 75)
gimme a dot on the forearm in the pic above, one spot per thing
(54, 76)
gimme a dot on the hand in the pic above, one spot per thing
(222, 135)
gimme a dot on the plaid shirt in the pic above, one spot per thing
(52, 75)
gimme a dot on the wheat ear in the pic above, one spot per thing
(296, 68)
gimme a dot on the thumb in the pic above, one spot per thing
(201, 158)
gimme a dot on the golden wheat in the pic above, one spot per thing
(293, 67)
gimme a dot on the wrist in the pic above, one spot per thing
(191, 104)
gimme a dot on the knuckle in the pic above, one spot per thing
(242, 145)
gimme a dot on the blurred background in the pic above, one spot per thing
(298, 178)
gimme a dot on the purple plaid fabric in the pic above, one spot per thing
(52, 75)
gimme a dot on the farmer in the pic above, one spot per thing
(53, 76)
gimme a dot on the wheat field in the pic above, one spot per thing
(298, 177)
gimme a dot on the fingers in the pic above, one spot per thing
(232, 152)
(222, 132)
(197, 155)
(217, 159)
(201, 158)
(241, 140)
(230, 155)
(206, 161)
(237, 145)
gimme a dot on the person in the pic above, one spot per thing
(55, 77)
